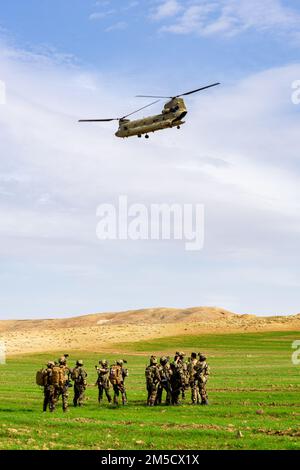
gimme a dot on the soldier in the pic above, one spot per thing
(103, 381)
(178, 377)
(64, 382)
(125, 374)
(48, 388)
(185, 374)
(165, 380)
(152, 380)
(202, 373)
(195, 395)
(116, 376)
(79, 376)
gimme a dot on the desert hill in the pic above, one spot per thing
(103, 331)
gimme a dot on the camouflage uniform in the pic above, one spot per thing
(49, 388)
(185, 374)
(178, 378)
(152, 380)
(79, 376)
(103, 381)
(195, 395)
(202, 373)
(118, 382)
(165, 381)
(63, 390)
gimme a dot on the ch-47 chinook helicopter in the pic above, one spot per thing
(171, 116)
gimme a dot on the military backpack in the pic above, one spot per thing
(58, 376)
(40, 377)
(115, 374)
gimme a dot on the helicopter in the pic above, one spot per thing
(172, 115)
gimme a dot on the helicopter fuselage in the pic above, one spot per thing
(171, 116)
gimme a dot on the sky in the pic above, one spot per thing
(237, 154)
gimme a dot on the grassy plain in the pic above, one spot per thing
(254, 394)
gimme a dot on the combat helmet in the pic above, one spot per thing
(153, 360)
(202, 357)
(50, 364)
(79, 362)
(163, 360)
(62, 360)
(120, 362)
(193, 355)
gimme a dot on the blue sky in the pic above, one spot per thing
(238, 154)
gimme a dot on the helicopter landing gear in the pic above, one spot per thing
(178, 127)
(139, 136)
(146, 136)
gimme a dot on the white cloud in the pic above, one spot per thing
(166, 9)
(237, 154)
(119, 26)
(231, 17)
(99, 15)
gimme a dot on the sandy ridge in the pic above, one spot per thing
(96, 332)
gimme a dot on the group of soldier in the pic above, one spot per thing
(57, 376)
(176, 377)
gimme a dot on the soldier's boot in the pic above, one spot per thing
(124, 398)
(204, 402)
(151, 401)
(52, 406)
(108, 396)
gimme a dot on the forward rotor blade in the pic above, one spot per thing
(151, 96)
(198, 89)
(98, 120)
(140, 109)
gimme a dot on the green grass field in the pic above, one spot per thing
(254, 388)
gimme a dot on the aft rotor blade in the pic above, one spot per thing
(198, 89)
(98, 120)
(182, 94)
(140, 109)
